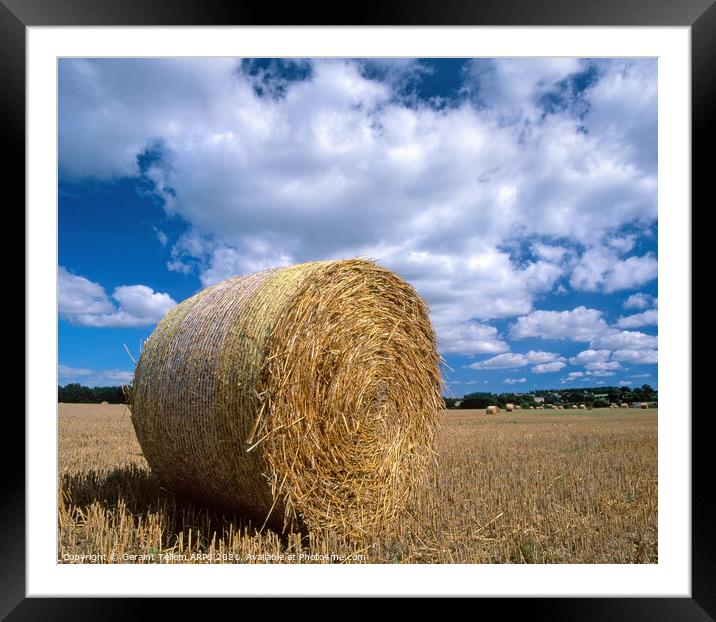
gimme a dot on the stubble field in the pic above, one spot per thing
(523, 487)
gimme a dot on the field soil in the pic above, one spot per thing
(519, 487)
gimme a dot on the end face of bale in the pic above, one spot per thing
(353, 396)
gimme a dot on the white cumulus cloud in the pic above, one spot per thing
(625, 340)
(93, 377)
(469, 338)
(603, 269)
(640, 357)
(511, 360)
(85, 303)
(545, 368)
(595, 360)
(636, 320)
(587, 357)
(267, 171)
(639, 301)
(579, 324)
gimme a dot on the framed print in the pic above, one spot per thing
(400, 308)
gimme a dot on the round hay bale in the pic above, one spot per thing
(300, 396)
(624, 405)
(103, 403)
(509, 407)
(643, 405)
(492, 410)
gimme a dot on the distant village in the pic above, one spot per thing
(588, 397)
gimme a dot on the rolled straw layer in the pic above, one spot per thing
(307, 395)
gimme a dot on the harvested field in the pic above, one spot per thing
(540, 486)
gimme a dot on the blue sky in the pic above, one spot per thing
(519, 197)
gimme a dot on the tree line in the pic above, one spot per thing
(593, 397)
(75, 393)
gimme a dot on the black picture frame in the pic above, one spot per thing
(700, 15)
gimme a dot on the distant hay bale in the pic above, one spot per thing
(624, 405)
(574, 406)
(518, 407)
(509, 407)
(560, 407)
(300, 396)
(583, 406)
(532, 407)
(643, 405)
(492, 410)
(103, 403)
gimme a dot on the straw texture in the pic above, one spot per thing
(307, 395)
